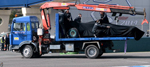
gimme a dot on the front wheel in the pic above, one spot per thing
(37, 55)
(27, 51)
(92, 51)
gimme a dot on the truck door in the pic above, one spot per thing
(18, 33)
(34, 31)
(34, 27)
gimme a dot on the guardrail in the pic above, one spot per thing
(1, 64)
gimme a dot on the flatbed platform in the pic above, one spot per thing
(94, 39)
(86, 38)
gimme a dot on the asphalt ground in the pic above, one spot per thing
(132, 59)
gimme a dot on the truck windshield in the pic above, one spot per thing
(19, 27)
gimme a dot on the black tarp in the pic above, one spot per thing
(85, 30)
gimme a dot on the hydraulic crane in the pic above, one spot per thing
(99, 8)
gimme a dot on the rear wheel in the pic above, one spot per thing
(92, 51)
(27, 51)
(100, 52)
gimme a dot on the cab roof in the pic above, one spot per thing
(26, 19)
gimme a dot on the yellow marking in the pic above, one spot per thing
(16, 38)
(101, 9)
(63, 4)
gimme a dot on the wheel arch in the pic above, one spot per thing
(22, 44)
(96, 43)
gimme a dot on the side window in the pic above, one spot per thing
(37, 25)
(28, 26)
(33, 26)
(19, 27)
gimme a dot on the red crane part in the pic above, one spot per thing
(56, 4)
(100, 8)
(144, 21)
(48, 21)
(40, 43)
(44, 20)
(92, 8)
(115, 6)
(60, 8)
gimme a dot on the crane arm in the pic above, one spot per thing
(109, 9)
(99, 8)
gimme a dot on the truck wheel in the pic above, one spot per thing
(36, 55)
(92, 51)
(27, 51)
(100, 52)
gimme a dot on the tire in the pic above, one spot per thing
(92, 51)
(27, 51)
(73, 33)
(100, 52)
(36, 55)
(35, 37)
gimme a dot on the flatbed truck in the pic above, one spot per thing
(31, 41)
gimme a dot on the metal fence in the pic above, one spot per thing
(1, 64)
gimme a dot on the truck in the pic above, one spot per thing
(31, 41)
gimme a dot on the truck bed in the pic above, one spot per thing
(93, 38)
(85, 38)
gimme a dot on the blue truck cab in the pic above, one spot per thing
(22, 30)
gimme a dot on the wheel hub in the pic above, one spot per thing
(26, 52)
(92, 52)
